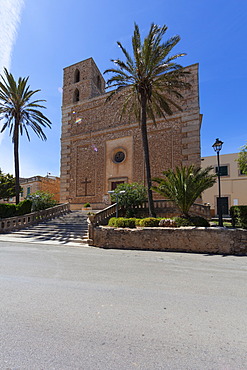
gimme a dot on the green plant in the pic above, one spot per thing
(239, 216)
(18, 114)
(112, 222)
(41, 200)
(86, 205)
(7, 210)
(24, 207)
(149, 84)
(149, 222)
(122, 222)
(191, 221)
(184, 185)
(134, 195)
(242, 159)
(7, 185)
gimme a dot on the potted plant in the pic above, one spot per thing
(86, 206)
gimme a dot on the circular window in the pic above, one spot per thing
(119, 157)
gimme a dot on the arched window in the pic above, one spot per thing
(76, 96)
(99, 83)
(77, 76)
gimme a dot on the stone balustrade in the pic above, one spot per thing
(19, 222)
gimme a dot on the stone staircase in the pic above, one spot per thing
(69, 228)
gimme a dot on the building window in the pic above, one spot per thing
(76, 96)
(77, 76)
(28, 191)
(119, 157)
(223, 170)
(240, 173)
(99, 83)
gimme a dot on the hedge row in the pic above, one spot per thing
(239, 216)
(12, 210)
(154, 222)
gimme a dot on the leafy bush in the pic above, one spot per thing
(41, 200)
(191, 221)
(24, 207)
(149, 222)
(12, 210)
(7, 210)
(122, 222)
(129, 196)
(182, 221)
(86, 205)
(239, 216)
(112, 222)
(199, 221)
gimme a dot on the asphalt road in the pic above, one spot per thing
(84, 308)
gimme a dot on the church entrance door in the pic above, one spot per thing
(114, 184)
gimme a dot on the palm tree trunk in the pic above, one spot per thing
(146, 153)
(16, 160)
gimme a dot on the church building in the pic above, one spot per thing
(100, 151)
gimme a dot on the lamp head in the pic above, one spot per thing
(217, 145)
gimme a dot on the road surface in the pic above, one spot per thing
(68, 307)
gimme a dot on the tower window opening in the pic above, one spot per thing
(76, 96)
(77, 76)
(99, 83)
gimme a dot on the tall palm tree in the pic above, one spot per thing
(150, 84)
(184, 185)
(18, 113)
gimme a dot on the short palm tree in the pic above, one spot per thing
(184, 185)
(18, 112)
(150, 84)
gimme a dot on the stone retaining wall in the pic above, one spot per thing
(187, 239)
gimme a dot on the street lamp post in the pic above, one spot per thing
(217, 147)
(117, 194)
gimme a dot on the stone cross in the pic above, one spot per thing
(86, 182)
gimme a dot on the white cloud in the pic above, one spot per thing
(10, 14)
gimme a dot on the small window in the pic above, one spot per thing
(28, 191)
(99, 83)
(119, 157)
(77, 76)
(241, 173)
(223, 170)
(76, 97)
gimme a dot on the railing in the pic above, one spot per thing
(160, 206)
(19, 222)
(103, 215)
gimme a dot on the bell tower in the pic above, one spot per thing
(82, 81)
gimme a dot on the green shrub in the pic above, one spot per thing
(192, 221)
(122, 222)
(149, 222)
(7, 210)
(41, 200)
(86, 205)
(130, 222)
(199, 221)
(182, 221)
(112, 222)
(24, 207)
(138, 221)
(239, 216)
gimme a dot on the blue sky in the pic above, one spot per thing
(43, 37)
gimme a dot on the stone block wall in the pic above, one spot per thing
(185, 239)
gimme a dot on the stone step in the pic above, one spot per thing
(72, 227)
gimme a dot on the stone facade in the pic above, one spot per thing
(98, 150)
